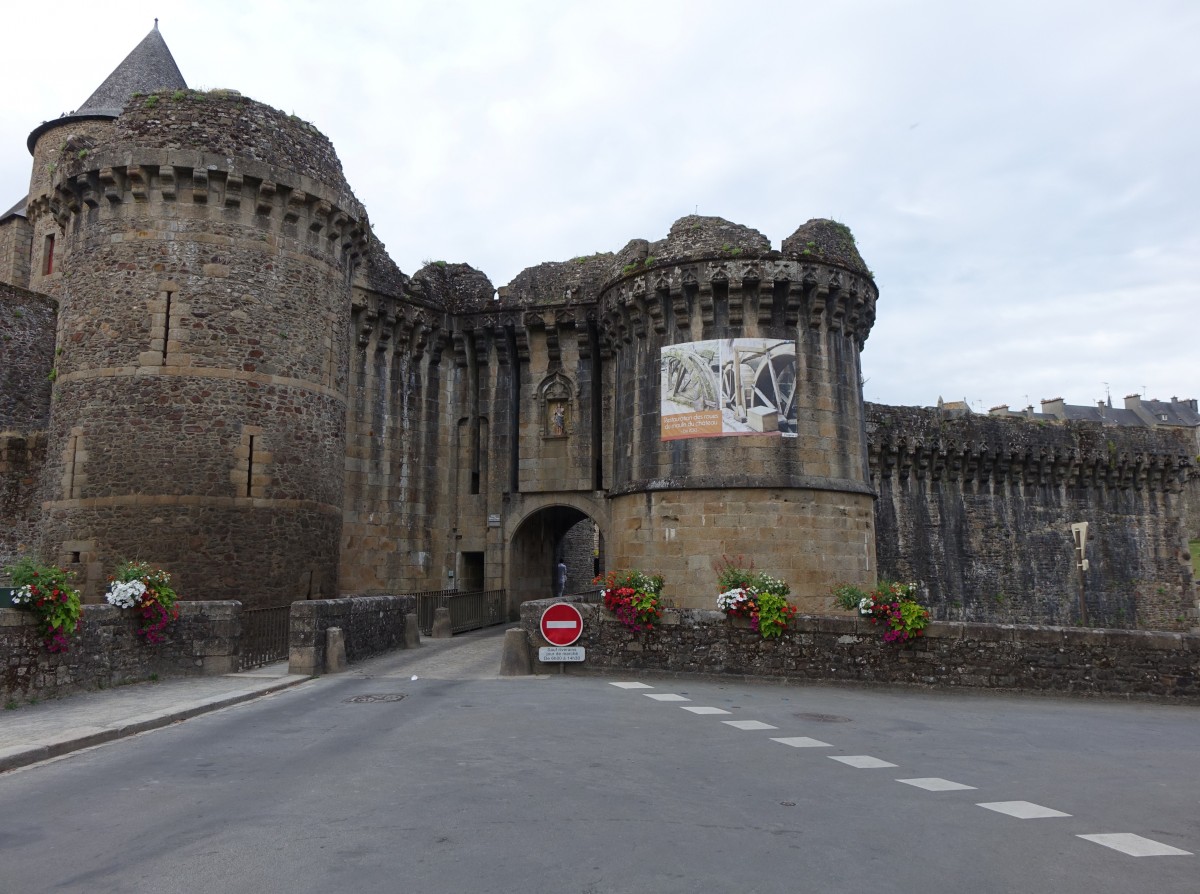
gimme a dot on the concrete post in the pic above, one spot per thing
(441, 624)
(335, 650)
(412, 633)
(514, 661)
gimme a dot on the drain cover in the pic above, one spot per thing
(823, 718)
(383, 697)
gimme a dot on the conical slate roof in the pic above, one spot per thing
(148, 68)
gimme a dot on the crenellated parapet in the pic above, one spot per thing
(187, 155)
(190, 182)
(764, 295)
(912, 443)
(711, 276)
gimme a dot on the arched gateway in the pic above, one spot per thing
(543, 539)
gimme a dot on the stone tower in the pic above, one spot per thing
(201, 248)
(738, 423)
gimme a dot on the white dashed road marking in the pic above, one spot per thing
(748, 724)
(1021, 809)
(936, 784)
(1136, 845)
(862, 761)
(1125, 842)
(803, 742)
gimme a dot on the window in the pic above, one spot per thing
(48, 255)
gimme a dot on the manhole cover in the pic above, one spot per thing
(823, 718)
(384, 697)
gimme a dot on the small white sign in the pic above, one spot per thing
(560, 653)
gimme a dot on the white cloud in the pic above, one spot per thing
(1021, 177)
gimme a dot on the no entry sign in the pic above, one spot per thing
(561, 624)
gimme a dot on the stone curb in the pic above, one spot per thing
(85, 737)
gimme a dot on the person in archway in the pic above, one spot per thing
(560, 579)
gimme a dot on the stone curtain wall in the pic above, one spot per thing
(16, 238)
(578, 552)
(978, 509)
(27, 350)
(21, 460)
(1133, 664)
(26, 358)
(369, 624)
(108, 652)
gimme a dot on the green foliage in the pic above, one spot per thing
(151, 101)
(147, 591)
(178, 95)
(83, 153)
(747, 593)
(1194, 546)
(633, 597)
(843, 230)
(734, 572)
(774, 614)
(847, 596)
(53, 377)
(46, 591)
(890, 603)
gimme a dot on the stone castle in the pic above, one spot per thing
(211, 363)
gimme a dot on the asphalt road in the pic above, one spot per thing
(459, 781)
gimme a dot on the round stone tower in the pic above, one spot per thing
(203, 250)
(737, 424)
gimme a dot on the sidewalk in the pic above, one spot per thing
(33, 733)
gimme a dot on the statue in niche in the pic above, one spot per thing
(556, 399)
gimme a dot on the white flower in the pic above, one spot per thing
(23, 596)
(865, 605)
(125, 594)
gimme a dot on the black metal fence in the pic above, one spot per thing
(469, 610)
(264, 636)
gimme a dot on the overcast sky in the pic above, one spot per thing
(1022, 177)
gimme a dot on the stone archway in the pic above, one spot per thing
(541, 539)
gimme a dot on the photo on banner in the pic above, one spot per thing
(734, 386)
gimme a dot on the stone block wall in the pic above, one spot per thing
(810, 538)
(369, 624)
(1052, 660)
(108, 652)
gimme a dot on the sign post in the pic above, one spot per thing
(1079, 532)
(561, 625)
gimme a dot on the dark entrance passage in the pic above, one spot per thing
(550, 536)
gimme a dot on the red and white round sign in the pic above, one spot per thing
(561, 624)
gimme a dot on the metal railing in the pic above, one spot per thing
(469, 610)
(264, 636)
